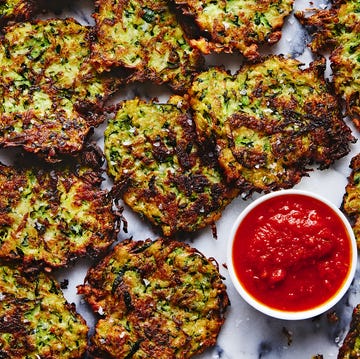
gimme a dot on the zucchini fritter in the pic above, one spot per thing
(339, 29)
(36, 321)
(161, 299)
(50, 93)
(51, 216)
(269, 121)
(351, 199)
(16, 10)
(159, 169)
(350, 349)
(237, 24)
(144, 36)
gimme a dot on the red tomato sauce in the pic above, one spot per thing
(292, 253)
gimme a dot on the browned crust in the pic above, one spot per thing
(351, 200)
(270, 121)
(57, 211)
(35, 318)
(349, 349)
(23, 10)
(231, 27)
(111, 289)
(164, 57)
(337, 30)
(161, 171)
(51, 95)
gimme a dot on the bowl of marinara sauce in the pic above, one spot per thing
(292, 254)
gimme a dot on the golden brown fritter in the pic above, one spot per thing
(36, 321)
(160, 171)
(339, 29)
(50, 216)
(350, 349)
(160, 299)
(50, 94)
(145, 37)
(351, 199)
(237, 24)
(16, 10)
(269, 121)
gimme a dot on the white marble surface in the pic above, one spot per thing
(247, 334)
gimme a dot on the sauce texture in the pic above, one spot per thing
(292, 253)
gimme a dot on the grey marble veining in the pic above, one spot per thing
(247, 334)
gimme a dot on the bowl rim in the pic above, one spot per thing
(292, 315)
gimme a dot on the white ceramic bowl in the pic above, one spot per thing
(293, 314)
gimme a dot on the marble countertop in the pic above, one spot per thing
(247, 333)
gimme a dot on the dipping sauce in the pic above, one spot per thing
(292, 252)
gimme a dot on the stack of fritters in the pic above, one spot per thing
(236, 25)
(143, 36)
(160, 299)
(269, 121)
(339, 29)
(351, 200)
(35, 319)
(50, 93)
(51, 216)
(159, 169)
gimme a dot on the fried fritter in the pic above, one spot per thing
(143, 36)
(49, 216)
(350, 349)
(36, 321)
(351, 200)
(269, 121)
(160, 171)
(50, 94)
(161, 299)
(16, 10)
(339, 29)
(237, 24)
